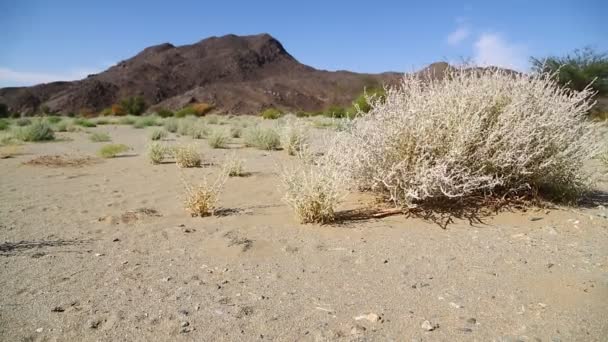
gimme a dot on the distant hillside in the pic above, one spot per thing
(237, 74)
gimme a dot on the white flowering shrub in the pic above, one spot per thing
(477, 132)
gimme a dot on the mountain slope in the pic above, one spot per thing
(238, 74)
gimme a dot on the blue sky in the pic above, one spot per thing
(43, 41)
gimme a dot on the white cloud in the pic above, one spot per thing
(492, 49)
(457, 36)
(10, 77)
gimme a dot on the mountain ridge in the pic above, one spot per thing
(237, 74)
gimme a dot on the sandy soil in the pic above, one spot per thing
(106, 252)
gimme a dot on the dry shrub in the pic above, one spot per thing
(201, 200)
(312, 190)
(113, 150)
(262, 138)
(158, 134)
(233, 166)
(202, 108)
(187, 156)
(476, 133)
(293, 136)
(61, 161)
(218, 139)
(157, 152)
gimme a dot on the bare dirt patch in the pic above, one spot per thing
(62, 161)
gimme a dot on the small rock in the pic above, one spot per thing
(535, 218)
(184, 324)
(185, 330)
(467, 330)
(372, 317)
(471, 320)
(428, 326)
(99, 254)
(456, 306)
(58, 309)
(357, 330)
(549, 265)
(167, 279)
(184, 312)
(94, 323)
(182, 225)
(39, 330)
(116, 240)
(385, 261)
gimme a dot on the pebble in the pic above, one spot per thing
(99, 254)
(428, 326)
(58, 309)
(372, 317)
(535, 218)
(93, 324)
(39, 330)
(471, 320)
(184, 312)
(357, 330)
(184, 324)
(456, 306)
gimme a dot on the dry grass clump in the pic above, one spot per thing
(262, 138)
(482, 133)
(100, 137)
(201, 200)
(293, 136)
(218, 139)
(313, 191)
(233, 166)
(112, 150)
(38, 130)
(171, 124)
(187, 156)
(157, 152)
(158, 134)
(236, 132)
(61, 161)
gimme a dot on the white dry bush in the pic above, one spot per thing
(187, 156)
(201, 200)
(312, 190)
(157, 152)
(293, 136)
(233, 166)
(485, 132)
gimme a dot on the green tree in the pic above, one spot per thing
(4, 111)
(577, 70)
(134, 105)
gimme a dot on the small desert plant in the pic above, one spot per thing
(157, 152)
(112, 150)
(233, 166)
(100, 137)
(4, 124)
(474, 133)
(22, 122)
(127, 120)
(271, 113)
(53, 119)
(171, 125)
(84, 122)
(146, 121)
(102, 121)
(313, 191)
(38, 130)
(212, 119)
(218, 139)
(187, 156)
(198, 130)
(61, 126)
(262, 138)
(236, 132)
(293, 136)
(201, 200)
(164, 113)
(158, 134)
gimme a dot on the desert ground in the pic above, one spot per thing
(105, 251)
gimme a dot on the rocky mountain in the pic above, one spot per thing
(237, 74)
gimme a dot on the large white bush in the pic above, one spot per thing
(477, 132)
